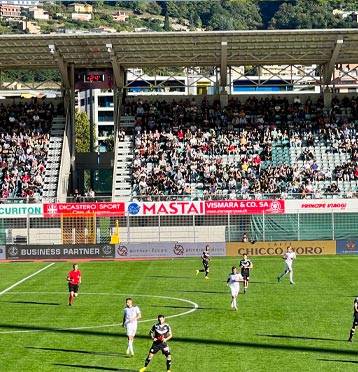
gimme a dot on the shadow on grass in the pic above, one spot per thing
(186, 340)
(339, 360)
(173, 306)
(198, 291)
(302, 337)
(75, 351)
(94, 367)
(169, 277)
(32, 303)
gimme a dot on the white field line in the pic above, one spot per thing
(24, 279)
(195, 307)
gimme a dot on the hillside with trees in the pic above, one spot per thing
(144, 15)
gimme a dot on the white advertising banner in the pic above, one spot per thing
(20, 210)
(321, 206)
(167, 249)
(170, 208)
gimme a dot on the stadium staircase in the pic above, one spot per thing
(53, 163)
(122, 179)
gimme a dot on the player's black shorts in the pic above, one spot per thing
(73, 287)
(158, 346)
(245, 273)
(206, 264)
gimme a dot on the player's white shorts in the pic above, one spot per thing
(131, 329)
(234, 289)
(288, 266)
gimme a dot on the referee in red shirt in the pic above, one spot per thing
(74, 281)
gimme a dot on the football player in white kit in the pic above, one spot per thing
(131, 316)
(233, 281)
(289, 256)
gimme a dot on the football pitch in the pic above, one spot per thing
(278, 327)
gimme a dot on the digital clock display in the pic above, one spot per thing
(93, 77)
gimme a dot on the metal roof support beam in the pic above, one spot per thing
(62, 65)
(223, 67)
(329, 67)
(118, 71)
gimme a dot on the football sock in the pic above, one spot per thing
(130, 345)
(291, 276)
(147, 361)
(169, 363)
(351, 334)
(202, 271)
(234, 302)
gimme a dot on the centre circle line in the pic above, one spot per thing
(194, 304)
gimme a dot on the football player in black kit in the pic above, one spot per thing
(355, 319)
(160, 333)
(205, 257)
(245, 266)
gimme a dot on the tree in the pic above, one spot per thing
(82, 128)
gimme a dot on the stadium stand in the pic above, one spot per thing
(25, 136)
(259, 148)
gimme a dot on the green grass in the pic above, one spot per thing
(278, 327)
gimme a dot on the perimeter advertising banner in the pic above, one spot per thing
(19, 210)
(173, 208)
(321, 205)
(38, 252)
(167, 249)
(100, 209)
(347, 246)
(222, 207)
(303, 247)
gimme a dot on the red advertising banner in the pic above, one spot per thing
(84, 209)
(222, 207)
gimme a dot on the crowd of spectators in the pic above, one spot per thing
(24, 140)
(183, 146)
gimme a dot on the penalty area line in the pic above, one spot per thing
(26, 278)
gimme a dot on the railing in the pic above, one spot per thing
(182, 228)
(184, 197)
(237, 196)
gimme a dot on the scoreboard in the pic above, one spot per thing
(95, 79)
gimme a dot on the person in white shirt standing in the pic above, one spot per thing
(289, 256)
(131, 316)
(233, 281)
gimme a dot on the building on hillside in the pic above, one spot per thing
(104, 29)
(120, 16)
(352, 14)
(20, 2)
(39, 14)
(29, 27)
(82, 8)
(85, 17)
(9, 11)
